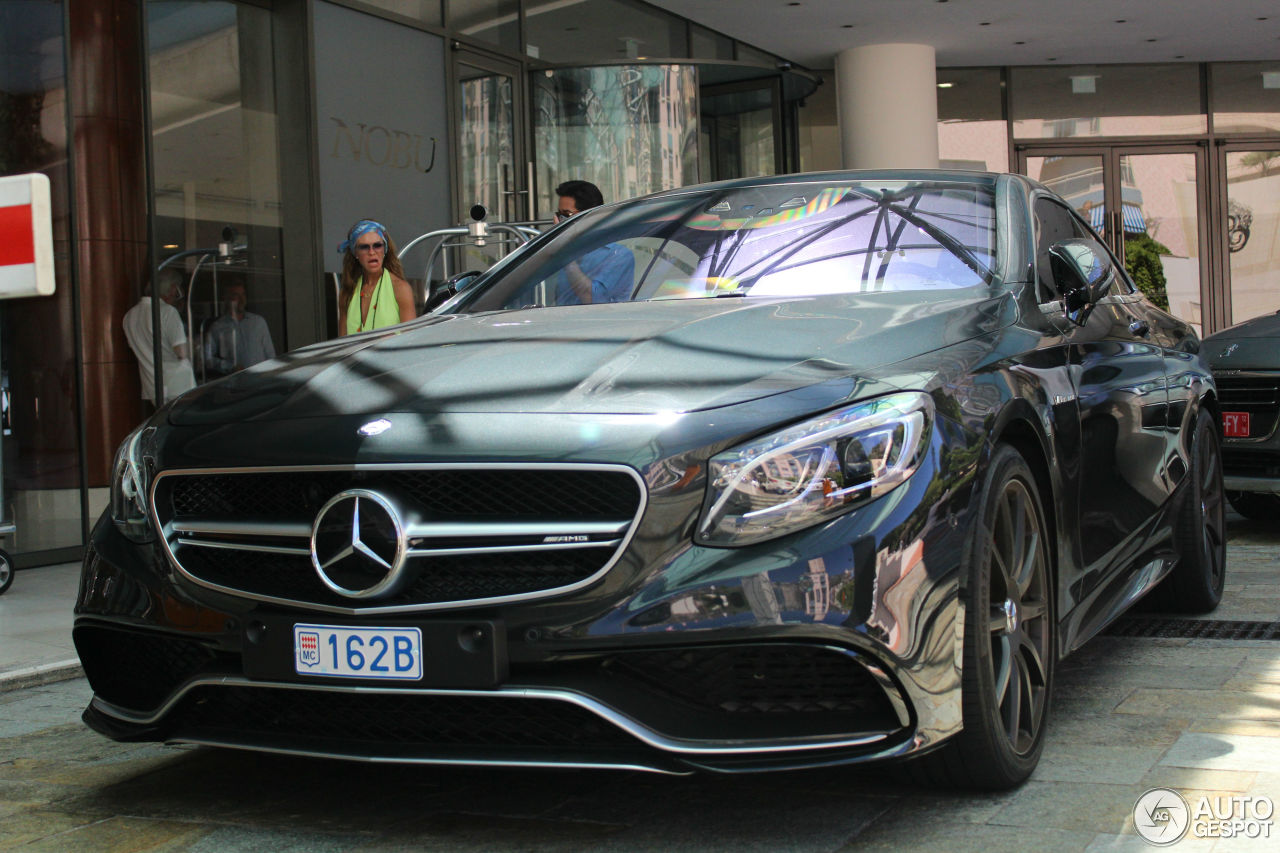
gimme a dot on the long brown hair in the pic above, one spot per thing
(353, 273)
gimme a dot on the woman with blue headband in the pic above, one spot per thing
(370, 265)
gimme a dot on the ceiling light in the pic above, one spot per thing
(945, 85)
(170, 246)
(1084, 84)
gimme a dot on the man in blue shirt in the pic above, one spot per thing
(604, 274)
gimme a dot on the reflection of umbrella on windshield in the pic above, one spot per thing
(1239, 220)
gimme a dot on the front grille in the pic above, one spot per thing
(437, 580)
(447, 493)
(139, 670)
(471, 533)
(1257, 394)
(402, 720)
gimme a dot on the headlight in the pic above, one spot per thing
(130, 481)
(815, 470)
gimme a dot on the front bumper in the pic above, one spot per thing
(1250, 462)
(835, 645)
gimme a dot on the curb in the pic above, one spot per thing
(34, 676)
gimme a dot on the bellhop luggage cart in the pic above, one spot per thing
(26, 269)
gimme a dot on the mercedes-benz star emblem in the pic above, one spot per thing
(358, 544)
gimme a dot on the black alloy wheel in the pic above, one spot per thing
(1196, 581)
(1009, 648)
(6, 571)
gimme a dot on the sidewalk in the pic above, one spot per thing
(35, 627)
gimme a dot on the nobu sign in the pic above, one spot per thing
(378, 146)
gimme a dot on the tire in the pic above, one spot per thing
(1195, 583)
(6, 571)
(1009, 637)
(1258, 506)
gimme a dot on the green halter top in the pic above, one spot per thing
(383, 309)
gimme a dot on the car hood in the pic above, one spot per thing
(1266, 326)
(1248, 345)
(634, 358)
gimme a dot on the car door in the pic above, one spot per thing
(1117, 370)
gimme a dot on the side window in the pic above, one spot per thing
(1053, 222)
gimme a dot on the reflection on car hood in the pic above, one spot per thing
(632, 358)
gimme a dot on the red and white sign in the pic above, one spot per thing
(26, 237)
(1235, 424)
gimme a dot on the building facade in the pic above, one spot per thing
(237, 141)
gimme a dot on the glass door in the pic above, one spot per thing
(741, 130)
(1251, 226)
(491, 162)
(1148, 205)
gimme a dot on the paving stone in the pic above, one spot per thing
(120, 835)
(1224, 752)
(1200, 779)
(1105, 843)
(1105, 729)
(1259, 703)
(1115, 764)
(944, 838)
(464, 833)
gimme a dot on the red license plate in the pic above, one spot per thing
(1235, 424)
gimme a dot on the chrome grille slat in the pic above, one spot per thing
(495, 543)
(242, 529)
(245, 546)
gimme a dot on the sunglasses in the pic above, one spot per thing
(565, 214)
(370, 247)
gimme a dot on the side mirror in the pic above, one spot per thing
(442, 291)
(1083, 270)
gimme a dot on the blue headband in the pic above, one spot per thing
(364, 226)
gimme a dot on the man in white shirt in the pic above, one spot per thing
(175, 361)
(239, 338)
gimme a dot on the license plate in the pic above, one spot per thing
(1235, 424)
(343, 651)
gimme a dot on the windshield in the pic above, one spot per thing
(768, 241)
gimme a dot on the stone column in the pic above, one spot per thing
(888, 106)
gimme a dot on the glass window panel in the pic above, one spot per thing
(1253, 232)
(972, 133)
(602, 31)
(486, 140)
(217, 180)
(493, 21)
(426, 11)
(1162, 230)
(709, 45)
(629, 129)
(1072, 102)
(742, 132)
(1246, 97)
(39, 412)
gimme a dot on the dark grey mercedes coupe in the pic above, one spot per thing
(766, 474)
